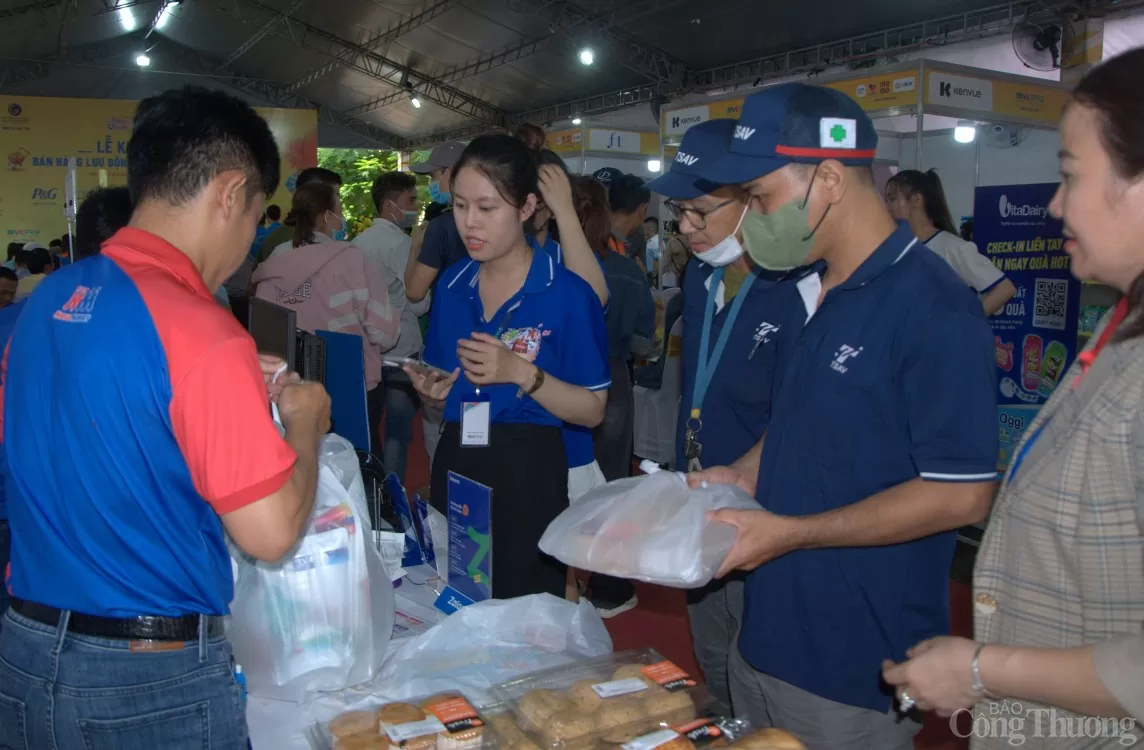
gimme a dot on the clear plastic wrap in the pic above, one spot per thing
(650, 528)
(446, 721)
(319, 619)
(635, 698)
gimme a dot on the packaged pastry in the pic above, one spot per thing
(446, 721)
(617, 699)
(697, 735)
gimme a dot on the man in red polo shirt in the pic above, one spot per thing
(136, 425)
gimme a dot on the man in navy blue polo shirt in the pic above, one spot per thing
(136, 427)
(882, 438)
(738, 323)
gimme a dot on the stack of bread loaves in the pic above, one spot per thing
(443, 722)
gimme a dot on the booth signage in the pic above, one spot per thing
(1029, 101)
(881, 91)
(946, 89)
(679, 121)
(38, 135)
(622, 141)
(1035, 336)
(565, 141)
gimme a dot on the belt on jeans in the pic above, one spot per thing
(146, 628)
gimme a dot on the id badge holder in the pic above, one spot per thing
(476, 415)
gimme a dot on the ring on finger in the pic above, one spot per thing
(905, 702)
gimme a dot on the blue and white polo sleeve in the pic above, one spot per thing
(583, 339)
(950, 387)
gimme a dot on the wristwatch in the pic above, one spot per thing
(537, 382)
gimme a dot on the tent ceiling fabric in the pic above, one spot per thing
(470, 62)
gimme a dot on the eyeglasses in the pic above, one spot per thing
(695, 217)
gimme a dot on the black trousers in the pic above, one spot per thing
(614, 438)
(527, 470)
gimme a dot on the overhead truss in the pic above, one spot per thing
(376, 66)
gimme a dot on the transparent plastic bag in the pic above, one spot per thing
(650, 528)
(319, 619)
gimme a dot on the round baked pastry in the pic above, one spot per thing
(395, 714)
(354, 722)
(569, 729)
(536, 707)
(670, 708)
(622, 719)
(585, 698)
(635, 671)
(769, 739)
(362, 742)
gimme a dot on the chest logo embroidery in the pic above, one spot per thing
(764, 331)
(844, 354)
(524, 341)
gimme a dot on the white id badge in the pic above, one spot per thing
(475, 416)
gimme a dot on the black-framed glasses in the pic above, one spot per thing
(696, 217)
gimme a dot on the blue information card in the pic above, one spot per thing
(470, 538)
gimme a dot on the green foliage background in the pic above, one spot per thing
(359, 168)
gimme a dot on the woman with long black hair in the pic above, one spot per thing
(919, 199)
(520, 333)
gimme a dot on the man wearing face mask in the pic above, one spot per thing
(440, 245)
(386, 245)
(739, 322)
(882, 438)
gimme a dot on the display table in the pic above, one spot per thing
(472, 650)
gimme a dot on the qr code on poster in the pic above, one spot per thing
(1050, 304)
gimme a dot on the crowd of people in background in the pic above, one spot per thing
(837, 365)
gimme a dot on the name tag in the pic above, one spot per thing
(476, 413)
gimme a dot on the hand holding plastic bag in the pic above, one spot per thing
(321, 618)
(651, 528)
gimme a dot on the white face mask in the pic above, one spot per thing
(728, 251)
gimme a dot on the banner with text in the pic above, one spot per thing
(39, 134)
(1036, 334)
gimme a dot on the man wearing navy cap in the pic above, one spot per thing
(882, 438)
(738, 323)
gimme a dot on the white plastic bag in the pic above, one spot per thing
(319, 619)
(651, 528)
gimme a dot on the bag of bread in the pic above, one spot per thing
(651, 528)
(447, 721)
(608, 701)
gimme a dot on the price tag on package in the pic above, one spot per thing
(398, 733)
(619, 687)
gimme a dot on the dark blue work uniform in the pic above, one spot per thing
(891, 379)
(736, 407)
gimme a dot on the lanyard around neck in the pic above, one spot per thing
(709, 359)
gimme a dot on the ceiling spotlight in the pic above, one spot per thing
(653, 165)
(126, 19)
(587, 56)
(142, 60)
(965, 131)
(576, 121)
(415, 101)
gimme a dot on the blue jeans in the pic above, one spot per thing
(400, 411)
(5, 553)
(63, 691)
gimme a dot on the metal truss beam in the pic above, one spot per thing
(566, 19)
(380, 68)
(381, 38)
(262, 33)
(192, 61)
(978, 24)
(34, 70)
(15, 11)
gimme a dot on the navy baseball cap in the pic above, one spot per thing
(794, 123)
(702, 145)
(607, 175)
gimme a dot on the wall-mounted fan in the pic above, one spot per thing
(1038, 44)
